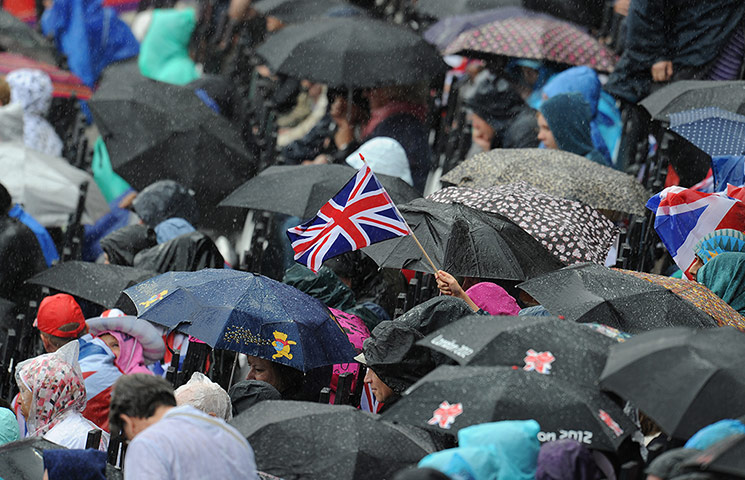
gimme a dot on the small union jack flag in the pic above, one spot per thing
(359, 215)
(538, 361)
(445, 415)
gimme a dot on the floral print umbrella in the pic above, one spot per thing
(535, 38)
(555, 172)
(698, 295)
(572, 231)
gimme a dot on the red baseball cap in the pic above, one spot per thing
(57, 311)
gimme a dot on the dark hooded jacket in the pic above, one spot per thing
(20, 259)
(568, 116)
(165, 199)
(187, 253)
(497, 103)
(690, 33)
(247, 393)
(122, 245)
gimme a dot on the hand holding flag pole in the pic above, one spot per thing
(362, 213)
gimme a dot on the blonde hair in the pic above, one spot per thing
(4, 92)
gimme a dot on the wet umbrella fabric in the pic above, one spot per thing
(453, 397)
(536, 38)
(302, 190)
(594, 293)
(555, 172)
(559, 348)
(354, 52)
(156, 131)
(64, 84)
(296, 440)
(24, 459)
(726, 457)
(17, 37)
(294, 11)
(713, 130)
(570, 230)
(692, 94)
(245, 313)
(445, 8)
(691, 378)
(99, 283)
(464, 241)
(698, 295)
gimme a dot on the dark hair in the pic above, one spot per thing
(138, 395)
(5, 200)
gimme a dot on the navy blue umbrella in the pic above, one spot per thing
(246, 313)
(712, 129)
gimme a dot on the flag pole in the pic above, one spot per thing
(411, 232)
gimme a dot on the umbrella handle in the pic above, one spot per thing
(173, 330)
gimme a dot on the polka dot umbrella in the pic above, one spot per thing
(713, 130)
(535, 38)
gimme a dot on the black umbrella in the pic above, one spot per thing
(451, 398)
(587, 292)
(156, 131)
(17, 37)
(302, 190)
(24, 459)
(299, 440)
(725, 456)
(566, 350)
(355, 52)
(464, 241)
(683, 379)
(99, 283)
(447, 8)
(689, 94)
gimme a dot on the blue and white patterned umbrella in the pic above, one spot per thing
(712, 129)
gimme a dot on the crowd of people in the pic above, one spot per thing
(147, 331)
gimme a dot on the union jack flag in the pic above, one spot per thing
(359, 215)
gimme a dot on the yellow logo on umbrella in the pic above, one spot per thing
(154, 298)
(282, 345)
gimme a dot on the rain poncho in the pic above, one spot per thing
(172, 228)
(491, 451)
(90, 35)
(122, 245)
(719, 241)
(716, 432)
(165, 199)
(725, 276)
(385, 156)
(187, 253)
(568, 116)
(48, 248)
(57, 388)
(201, 393)
(8, 426)
(493, 299)
(605, 126)
(33, 90)
(566, 460)
(495, 101)
(164, 54)
(247, 393)
(97, 362)
(130, 359)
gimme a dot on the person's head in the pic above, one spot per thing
(247, 393)
(714, 243)
(385, 156)
(138, 401)
(205, 395)
(59, 321)
(8, 426)
(32, 89)
(121, 246)
(383, 393)
(277, 375)
(381, 96)
(166, 199)
(493, 105)
(725, 276)
(6, 201)
(4, 92)
(50, 385)
(564, 123)
(340, 108)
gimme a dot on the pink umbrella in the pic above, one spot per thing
(357, 332)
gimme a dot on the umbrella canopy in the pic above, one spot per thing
(48, 187)
(537, 38)
(64, 83)
(464, 241)
(302, 190)
(594, 293)
(683, 379)
(547, 345)
(450, 398)
(17, 37)
(444, 32)
(245, 313)
(328, 441)
(690, 94)
(354, 52)
(445, 8)
(24, 459)
(713, 130)
(698, 295)
(99, 283)
(157, 131)
(555, 172)
(294, 11)
(572, 231)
